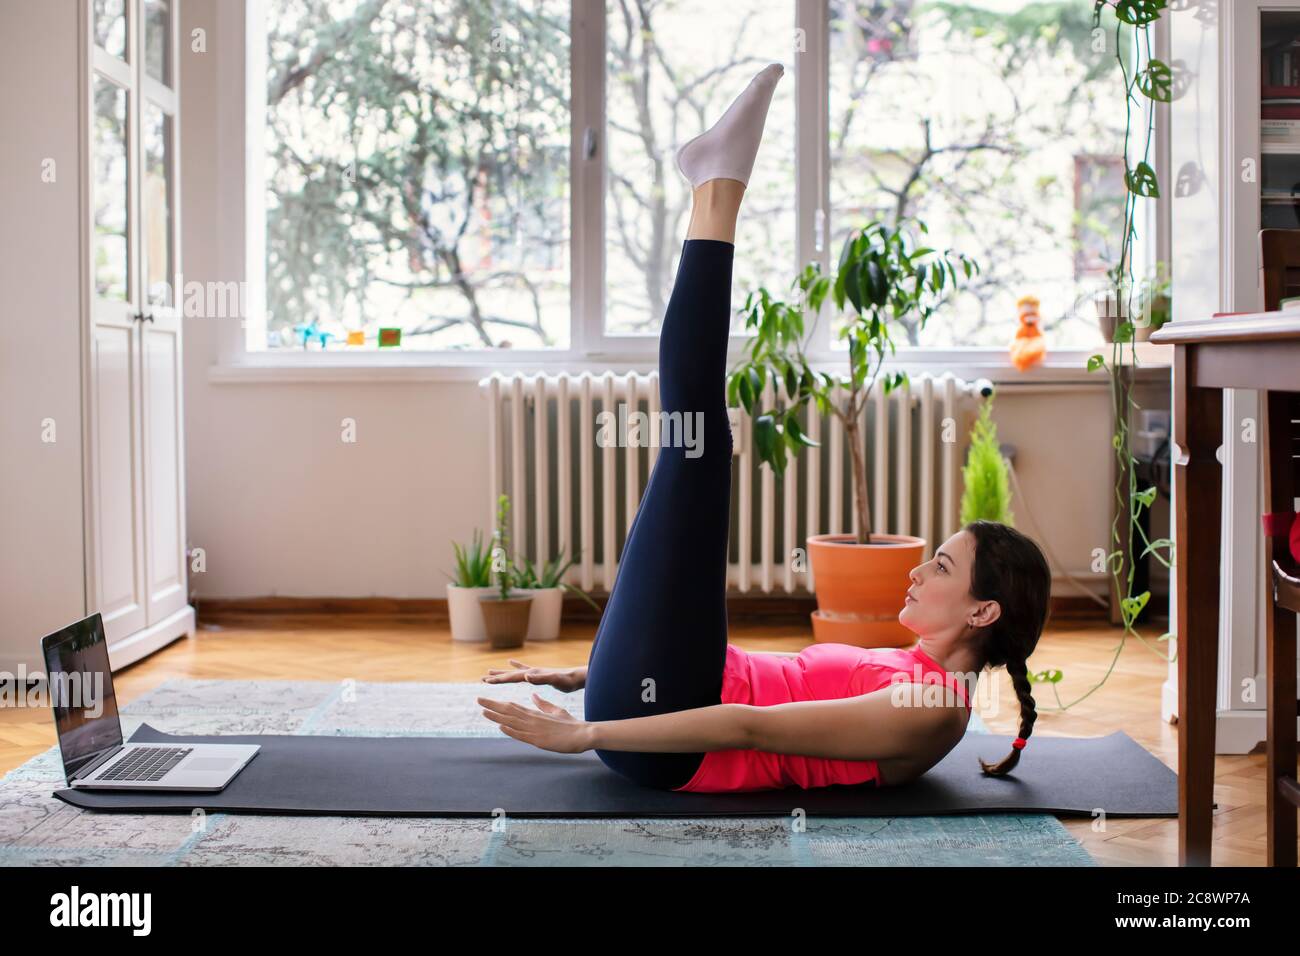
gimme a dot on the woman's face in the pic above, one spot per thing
(939, 598)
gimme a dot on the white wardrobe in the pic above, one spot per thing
(92, 483)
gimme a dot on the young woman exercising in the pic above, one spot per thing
(669, 703)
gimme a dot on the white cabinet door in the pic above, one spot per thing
(160, 330)
(165, 496)
(117, 495)
(137, 497)
(115, 500)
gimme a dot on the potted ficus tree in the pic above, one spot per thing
(505, 613)
(883, 277)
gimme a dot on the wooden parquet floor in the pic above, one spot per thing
(373, 648)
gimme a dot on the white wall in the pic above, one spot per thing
(283, 507)
(42, 585)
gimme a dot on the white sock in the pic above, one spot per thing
(727, 149)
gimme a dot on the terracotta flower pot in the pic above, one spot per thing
(862, 587)
(506, 621)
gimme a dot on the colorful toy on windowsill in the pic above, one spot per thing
(307, 331)
(1028, 347)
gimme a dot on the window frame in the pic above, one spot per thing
(591, 347)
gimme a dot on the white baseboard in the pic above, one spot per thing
(1235, 731)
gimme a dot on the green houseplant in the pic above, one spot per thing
(1151, 311)
(505, 612)
(1156, 307)
(471, 579)
(1143, 75)
(986, 485)
(884, 277)
(548, 587)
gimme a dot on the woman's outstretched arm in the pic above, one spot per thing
(868, 727)
(549, 727)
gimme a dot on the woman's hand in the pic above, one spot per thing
(564, 679)
(546, 726)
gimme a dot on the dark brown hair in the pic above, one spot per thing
(1010, 569)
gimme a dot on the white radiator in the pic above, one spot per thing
(587, 497)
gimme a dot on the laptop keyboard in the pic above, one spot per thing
(145, 763)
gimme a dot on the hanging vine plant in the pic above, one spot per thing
(1151, 79)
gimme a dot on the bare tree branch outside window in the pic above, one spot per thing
(417, 158)
(418, 170)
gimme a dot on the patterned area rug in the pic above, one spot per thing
(38, 829)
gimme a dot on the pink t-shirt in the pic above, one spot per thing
(820, 672)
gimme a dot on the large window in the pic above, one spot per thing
(422, 161)
(416, 174)
(672, 70)
(972, 118)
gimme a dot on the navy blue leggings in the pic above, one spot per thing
(662, 641)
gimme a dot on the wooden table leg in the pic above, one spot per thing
(1198, 483)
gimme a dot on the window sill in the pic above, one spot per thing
(1061, 368)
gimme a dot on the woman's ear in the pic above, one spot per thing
(985, 614)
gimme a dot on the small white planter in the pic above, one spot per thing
(465, 614)
(1111, 310)
(544, 624)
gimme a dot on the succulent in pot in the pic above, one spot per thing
(472, 579)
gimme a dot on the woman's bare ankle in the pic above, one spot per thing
(715, 204)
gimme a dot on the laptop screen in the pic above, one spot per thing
(81, 690)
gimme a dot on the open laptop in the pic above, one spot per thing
(90, 734)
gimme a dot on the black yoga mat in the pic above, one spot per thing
(480, 776)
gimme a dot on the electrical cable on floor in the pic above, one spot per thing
(1042, 540)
